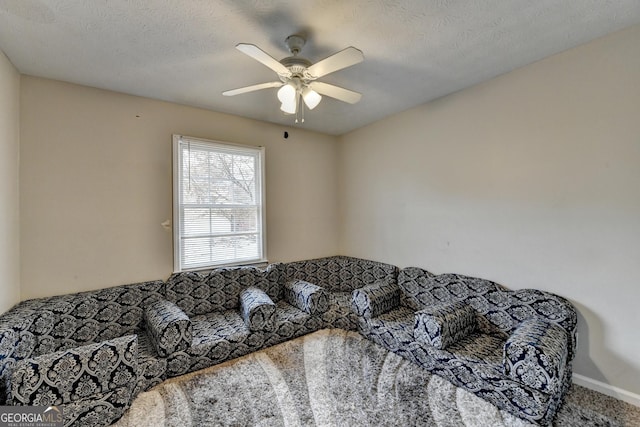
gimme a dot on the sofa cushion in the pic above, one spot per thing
(393, 330)
(169, 327)
(376, 298)
(291, 322)
(444, 324)
(536, 355)
(257, 309)
(79, 373)
(217, 337)
(308, 297)
(340, 313)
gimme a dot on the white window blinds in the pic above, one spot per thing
(218, 204)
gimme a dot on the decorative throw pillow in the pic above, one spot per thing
(444, 324)
(306, 296)
(169, 327)
(375, 299)
(257, 310)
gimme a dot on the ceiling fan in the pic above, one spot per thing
(298, 76)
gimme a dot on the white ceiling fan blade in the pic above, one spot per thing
(343, 59)
(261, 56)
(336, 92)
(251, 88)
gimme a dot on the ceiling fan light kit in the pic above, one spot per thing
(298, 86)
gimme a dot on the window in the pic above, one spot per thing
(218, 196)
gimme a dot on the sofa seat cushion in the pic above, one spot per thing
(213, 328)
(482, 375)
(217, 337)
(476, 348)
(291, 322)
(393, 330)
(340, 313)
(222, 336)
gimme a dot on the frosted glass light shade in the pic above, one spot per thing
(287, 94)
(311, 98)
(289, 107)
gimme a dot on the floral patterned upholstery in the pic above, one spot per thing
(46, 325)
(340, 314)
(535, 355)
(105, 373)
(291, 322)
(340, 276)
(308, 297)
(500, 309)
(517, 356)
(219, 290)
(257, 310)
(152, 369)
(392, 330)
(130, 321)
(339, 273)
(217, 337)
(168, 325)
(375, 299)
(442, 325)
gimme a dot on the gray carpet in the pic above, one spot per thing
(338, 378)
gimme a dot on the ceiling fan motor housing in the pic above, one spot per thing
(297, 65)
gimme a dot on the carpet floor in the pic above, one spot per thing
(338, 378)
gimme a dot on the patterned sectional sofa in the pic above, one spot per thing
(512, 348)
(93, 352)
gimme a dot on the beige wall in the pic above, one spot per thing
(9, 199)
(531, 179)
(96, 185)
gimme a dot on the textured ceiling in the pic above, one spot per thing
(183, 50)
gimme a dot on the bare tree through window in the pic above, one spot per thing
(220, 195)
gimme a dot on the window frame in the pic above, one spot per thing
(259, 153)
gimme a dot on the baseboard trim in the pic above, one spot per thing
(609, 390)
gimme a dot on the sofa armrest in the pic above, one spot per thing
(257, 310)
(444, 324)
(306, 296)
(169, 327)
(536, 355)
(375, 299)
(75, 374)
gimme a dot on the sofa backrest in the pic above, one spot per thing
(340, 273)
(219, 289)
(55, 323)
(498, 307)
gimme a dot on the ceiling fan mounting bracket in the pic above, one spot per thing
(295, 43)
